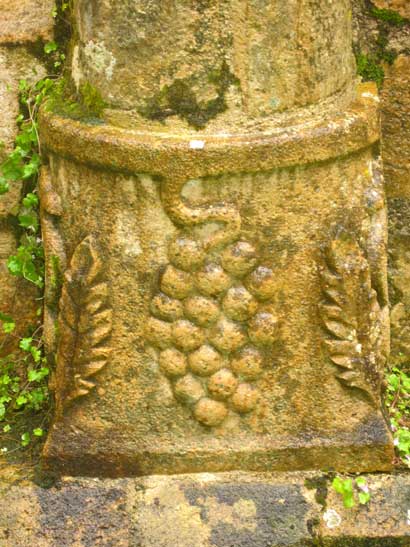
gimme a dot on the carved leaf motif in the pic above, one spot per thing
(85, 324)
(350, 314)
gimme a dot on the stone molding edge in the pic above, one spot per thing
(198, 155)
(346, 458)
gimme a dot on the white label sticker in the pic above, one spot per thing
(197, 145)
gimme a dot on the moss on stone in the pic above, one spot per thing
(320, 484)
(370, 64)
(370, 69)
(389, 16)
(86, 104)
(56, 280)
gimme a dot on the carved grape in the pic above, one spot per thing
(202, 310)
(205, 361)
(248, 363)
(245, 398)
(222, 384)
(213, 280)
(164, 307)
(158, 332)
(189, 389)
(173, 363)
(263, 329)
(239, 304)
(187, 336)
(210, 412)
(228, 336)
(261, 283)
(239, 258)
(176, 283)
(186, 253)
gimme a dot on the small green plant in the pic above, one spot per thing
(23, 382)
(352, 491)
(24, 372)
(398, 404)
(60, 9)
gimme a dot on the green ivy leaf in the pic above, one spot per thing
(25, 344)
(36, 354)
(25, 439)
(345, 489)
(348, 500)
(23, 85)
(4, 186)
(31, 200)
(14, 265)
(21, 400)
(38, 375)
(364, 498)
(29, 221)
(8, 323)
(12, 169)
(50, 47)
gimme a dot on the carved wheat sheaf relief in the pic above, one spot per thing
(351, 317)
(85, 324)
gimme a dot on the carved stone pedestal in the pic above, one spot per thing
(224, 302)
(220, 241)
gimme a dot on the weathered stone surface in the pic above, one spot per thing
(399, 277)
(396, 157)
(195, 61)
(26, 20)
(396, 132)
(384, 522)
(401, 6)
(204, 510)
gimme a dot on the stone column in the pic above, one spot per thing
(222, 234)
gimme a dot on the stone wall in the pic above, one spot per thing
(25, 26)
(384, 38)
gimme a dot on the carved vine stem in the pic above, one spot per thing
(185, 216)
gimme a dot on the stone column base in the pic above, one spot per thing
(204, 510)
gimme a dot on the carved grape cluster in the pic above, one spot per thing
(211, 327)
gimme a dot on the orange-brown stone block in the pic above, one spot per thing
(396, 130)
(25, 20)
